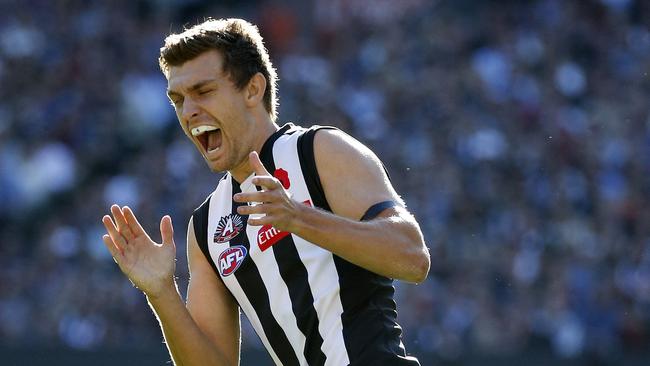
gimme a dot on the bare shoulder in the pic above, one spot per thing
(331, 143)
(351, 174)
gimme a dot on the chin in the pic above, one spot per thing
(216, 167)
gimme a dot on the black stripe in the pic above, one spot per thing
(200, 224)
(370, 330)
(267, 148)
(308, 167)
(294, 274)
(250, 280)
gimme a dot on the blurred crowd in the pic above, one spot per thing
(518, 132)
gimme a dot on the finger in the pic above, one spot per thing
(257, 165)
(261, 221)
(135, 226)
(122, 225)
(262, 196)
(115, 251)
(115, 235)
(267, 182)
(167, 230)
(257, 209)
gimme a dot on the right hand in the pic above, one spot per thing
(149, 265)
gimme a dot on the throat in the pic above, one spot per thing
(214, 140)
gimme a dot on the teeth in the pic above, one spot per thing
(201, 129)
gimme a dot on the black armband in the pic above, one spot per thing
(376, 209)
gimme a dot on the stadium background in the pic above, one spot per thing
(518, 133)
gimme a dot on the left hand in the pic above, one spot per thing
(149, 265)
(273, 201)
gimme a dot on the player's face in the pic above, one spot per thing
(211, 111)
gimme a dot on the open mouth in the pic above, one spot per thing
(208, 136)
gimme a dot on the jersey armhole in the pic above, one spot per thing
(200, 223)
(309, 170)
(308, 166)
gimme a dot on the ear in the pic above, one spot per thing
(255, 89)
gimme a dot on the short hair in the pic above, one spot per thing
(241, 46)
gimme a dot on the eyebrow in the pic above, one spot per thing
(194, 87)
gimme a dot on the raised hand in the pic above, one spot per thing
(149, 265)
(273, 201)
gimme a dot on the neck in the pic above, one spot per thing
(244, 170)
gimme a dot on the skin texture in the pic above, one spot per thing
(206, 330)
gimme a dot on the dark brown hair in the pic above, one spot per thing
(241, 46)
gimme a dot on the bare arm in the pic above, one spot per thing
(211, 305)
(206, 332)
(390, 245)
(353, 180)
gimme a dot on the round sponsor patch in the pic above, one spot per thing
(230, 259)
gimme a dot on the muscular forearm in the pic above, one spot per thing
(389, 246)
(187, 344)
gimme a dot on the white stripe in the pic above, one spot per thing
(323, 281)
(221, 203)
(279, 298)
(219, 206)
(321, 270)
(247, 307)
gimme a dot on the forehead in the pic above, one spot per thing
(208, 65)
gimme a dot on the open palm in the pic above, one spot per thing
(149, 265)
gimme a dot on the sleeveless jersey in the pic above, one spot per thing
(307, 305)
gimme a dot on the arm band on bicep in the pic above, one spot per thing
(376, 209)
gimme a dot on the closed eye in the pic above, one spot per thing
(204, 92)
(176, 102)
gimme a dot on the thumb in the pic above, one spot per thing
(256, 164)
(167, 230)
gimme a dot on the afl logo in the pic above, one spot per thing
(228, 227)
(230, 259)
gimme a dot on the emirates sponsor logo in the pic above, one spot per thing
(268, 235)
(230, 259)
(229, 226)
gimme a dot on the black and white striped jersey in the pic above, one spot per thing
(308, 306)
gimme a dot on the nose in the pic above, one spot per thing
(190, 109)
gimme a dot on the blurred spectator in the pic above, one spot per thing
(519, 134)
